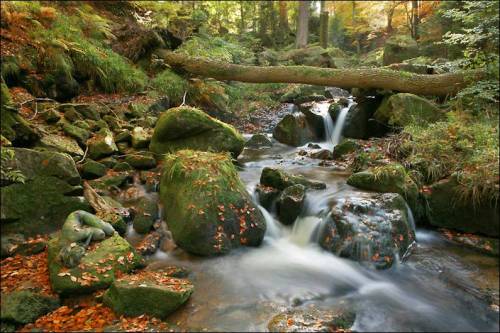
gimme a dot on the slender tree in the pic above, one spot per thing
(415, 19)
(242, 17)
(283, 10)
(354, 32)
(323, 25)
(303, 24)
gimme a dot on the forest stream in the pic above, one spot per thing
(440, 287)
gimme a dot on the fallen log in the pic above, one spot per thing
(377, 78)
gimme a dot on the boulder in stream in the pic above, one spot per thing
(280, 180)
(208, 209)
(290, 203)
(190, 128)
(258, 141)
(294, 130)
(374, 229)
(153, 293)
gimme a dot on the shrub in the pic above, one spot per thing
(170, 84)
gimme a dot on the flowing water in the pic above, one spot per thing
(440, 287)
(333, 132)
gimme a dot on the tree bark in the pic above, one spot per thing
(323, 26)
(242, 18)
(415, 19)
(303, 24)
(283, 16)
(377, 78)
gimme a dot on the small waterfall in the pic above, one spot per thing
(304, 229)
(322, 110)
(339, 124)
(273, 228)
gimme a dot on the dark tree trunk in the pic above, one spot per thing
(303, 24)
(323, 26)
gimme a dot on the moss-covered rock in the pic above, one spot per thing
(345, 147)
(111, 180)
(97, 269)
(403, 109)
(23, 307)
(313, 320)
(153, 293)
(190, 128)
(122, 166)
(140, 138)
(258, 141)
(145, 214)
(81, 135)
(301, 90)
(266, 195)
(374, 229)
(280, 180)
(294, 130)
(398, 48)
(207, 207)
(141, 161)
(92, 169)
(290, 203)
(446, 209)
(12, 125)
(39, 206)
(101, 144)
(88, 111)
(34, 163)
(389, 178)
(61, 144)
(51, 116)
(123, 136)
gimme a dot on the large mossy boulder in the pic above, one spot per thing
(258, 141)
(374, 229)
(208, 209)
(39, 206)
(389, 178)
(34, 163)
(403, 109)
(190, 128)
(345, 147)
(23, 307)
(398, 48)
(294, 130)
(446, 208)
(97, 269)
(152, 293)
(280, 180)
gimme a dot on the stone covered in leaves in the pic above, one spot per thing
(25, 306)
(345, 147)
(404, 109)
(145, 214)
(97, 269)
(294, 130)
(152, 293)
(61, 144)
(372, 229)
(267, 195)
(290, 203)
(280, 180)
(190, 128)
(312, 320)
(207, 207)
(141, 161)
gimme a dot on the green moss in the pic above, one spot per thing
(207, 206)
(190, 128)
(280, 180)
(390, 178)
(114, 253)
(25, 307)
(172, 85)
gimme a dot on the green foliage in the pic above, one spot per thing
(214, 48)
(9, 174)
(478, 36)
(170, 84)
(462, 145)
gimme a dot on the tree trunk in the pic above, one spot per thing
(415, 19)
(242, 18)
(378, 78)
(283, 16)
(390, 14)
(323, 26)
(303, 24)
(356, 37)
(263, 22)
